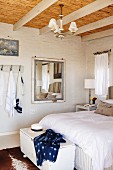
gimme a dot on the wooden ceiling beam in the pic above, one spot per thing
(98, 35)
(82, 12)
(95, 25)
(40, 7)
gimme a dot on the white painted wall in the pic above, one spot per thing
(32, 44)
(93, 46)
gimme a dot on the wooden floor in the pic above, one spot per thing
(12, 159)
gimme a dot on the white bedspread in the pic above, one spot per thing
(92, 132)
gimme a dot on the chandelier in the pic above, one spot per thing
(58, 30)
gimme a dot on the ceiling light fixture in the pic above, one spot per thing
(58, 30)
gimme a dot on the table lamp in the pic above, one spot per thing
(89, 84)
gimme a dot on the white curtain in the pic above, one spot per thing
(45, 78)
(101, 74)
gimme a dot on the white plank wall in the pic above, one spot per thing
(31, 44)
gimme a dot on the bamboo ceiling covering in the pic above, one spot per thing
(54, 11)
(12, 11)
(97, 30)
(101, 14)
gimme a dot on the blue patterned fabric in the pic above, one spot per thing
(17, 107)
(47, 146)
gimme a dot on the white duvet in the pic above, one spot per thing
(92, 132)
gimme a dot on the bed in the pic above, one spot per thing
(91, 133)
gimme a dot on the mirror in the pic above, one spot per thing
(47, 80)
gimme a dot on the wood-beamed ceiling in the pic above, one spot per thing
(97, 30)
(13, 12)
(101, 14)
(54, 11)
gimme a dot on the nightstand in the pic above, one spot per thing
(81, 107)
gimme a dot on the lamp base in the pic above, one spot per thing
(89, 96)
(93, 101)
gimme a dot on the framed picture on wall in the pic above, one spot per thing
(9, 47)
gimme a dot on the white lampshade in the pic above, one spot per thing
(73, 27)
(52, 24)
(89, 83)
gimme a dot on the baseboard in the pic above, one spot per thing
(9, 133)
(9, 140)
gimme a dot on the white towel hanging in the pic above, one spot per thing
(1, 87)
(11, 94)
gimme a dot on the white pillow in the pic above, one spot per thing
(58, 95)
(110, 101)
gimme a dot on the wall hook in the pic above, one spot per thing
(11, 68)
(2, 68)
(19, 67)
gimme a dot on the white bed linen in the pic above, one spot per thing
(92, 132)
